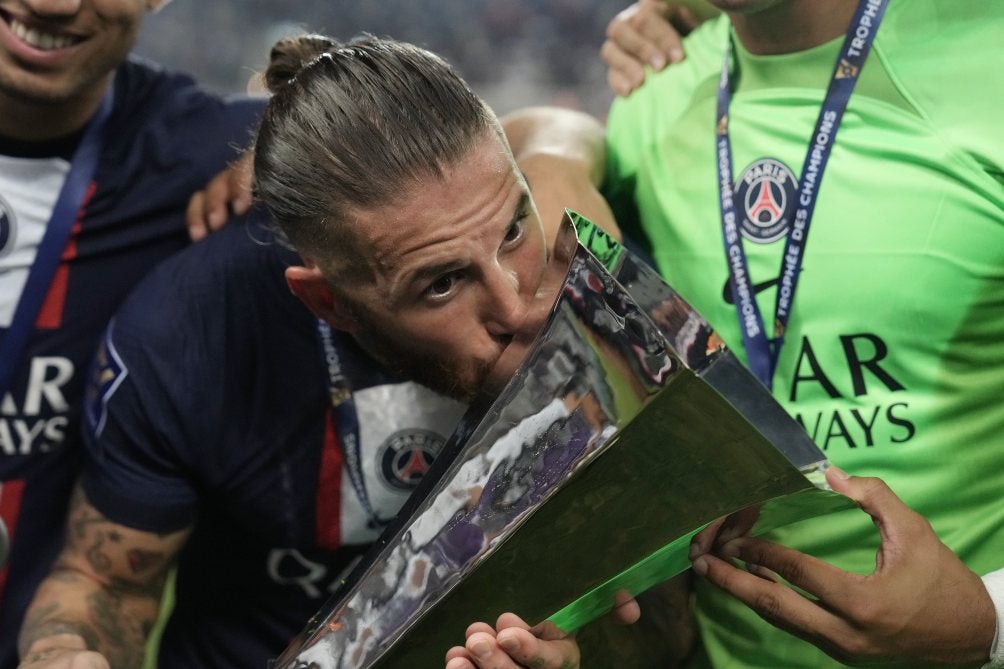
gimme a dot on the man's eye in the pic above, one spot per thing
(515, 231)
(442, 286)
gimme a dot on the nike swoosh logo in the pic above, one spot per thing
(757, 289)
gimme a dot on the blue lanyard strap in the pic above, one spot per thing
(346, 420)
(50, 249)
(762, 352)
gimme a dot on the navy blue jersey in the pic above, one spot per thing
(209, 407)
(166, 138)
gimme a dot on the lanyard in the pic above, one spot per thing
(763, 353)
(50, 249)
(346, 421)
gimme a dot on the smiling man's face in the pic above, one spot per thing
(55, 51)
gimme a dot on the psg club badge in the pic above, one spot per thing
(765, 193)
(407, 455)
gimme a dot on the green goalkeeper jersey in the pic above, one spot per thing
(894, 355)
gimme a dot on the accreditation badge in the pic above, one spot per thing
(765, 195)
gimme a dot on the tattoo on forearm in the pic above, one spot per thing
(151, 588)
(100, 563)
(105, 588)
(143, 560)
(45, 622)
(81, 517)
(124, 633)
(98, 540)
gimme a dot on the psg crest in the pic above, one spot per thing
(765, 193)
(407, 455)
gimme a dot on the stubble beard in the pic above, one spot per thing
(439, 372)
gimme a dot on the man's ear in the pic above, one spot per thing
(308, 284)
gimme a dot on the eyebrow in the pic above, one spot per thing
(522, 208)
(429, 272)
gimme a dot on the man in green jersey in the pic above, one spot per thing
(893, 346)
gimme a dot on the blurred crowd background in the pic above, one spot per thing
(512, 52)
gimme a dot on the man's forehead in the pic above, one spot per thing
(433, 217)
(460, 190)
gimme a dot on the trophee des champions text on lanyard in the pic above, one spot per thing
(347, 422)
(762, 352)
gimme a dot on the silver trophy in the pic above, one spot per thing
(627, 428)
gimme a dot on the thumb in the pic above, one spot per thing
(890, 514)
(626, 610)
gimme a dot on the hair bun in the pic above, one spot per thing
(290, 54)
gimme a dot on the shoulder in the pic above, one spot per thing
(158, 93)
(209, 332)
(666, 94)
(929, 38)
(640, 120)
(944, 57)
(162, 120)
(214, 290)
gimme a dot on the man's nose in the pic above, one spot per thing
(507, 305)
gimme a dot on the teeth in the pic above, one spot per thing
(39, 40)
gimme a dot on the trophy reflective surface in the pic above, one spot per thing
(627, 428)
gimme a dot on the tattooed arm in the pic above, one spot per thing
(99, 602)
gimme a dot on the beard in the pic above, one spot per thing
(443, 373)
